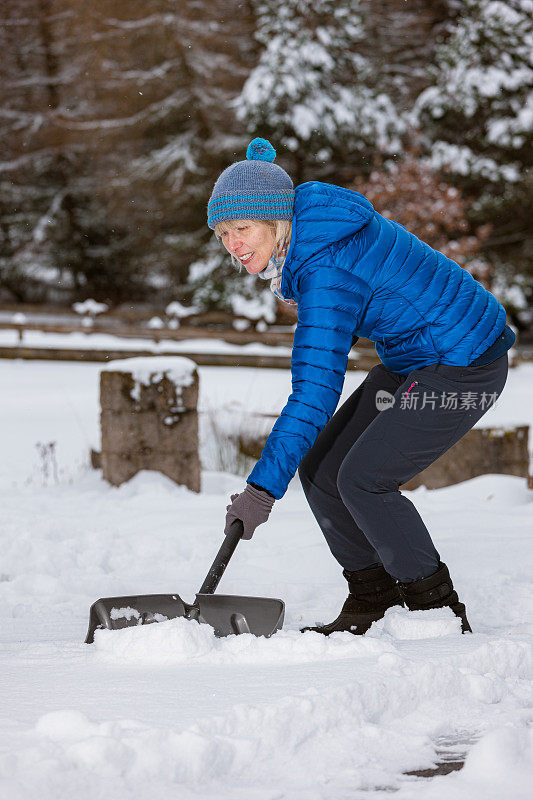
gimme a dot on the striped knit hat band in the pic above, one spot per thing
(252, 189)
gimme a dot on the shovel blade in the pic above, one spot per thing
(114, 613)
(227, 614)
(233, 614)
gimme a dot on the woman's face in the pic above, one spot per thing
(252, 243)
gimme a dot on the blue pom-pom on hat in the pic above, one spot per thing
(260, 150)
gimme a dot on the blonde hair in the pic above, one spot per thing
(281, 230)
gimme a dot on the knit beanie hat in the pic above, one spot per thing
(252, 189)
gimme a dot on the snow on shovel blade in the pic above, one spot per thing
(229, 614)
(114, 613)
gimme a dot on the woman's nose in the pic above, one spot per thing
(234, 241)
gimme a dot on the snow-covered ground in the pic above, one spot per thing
(170, 711)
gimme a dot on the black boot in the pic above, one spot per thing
(435, 591)
(372, 592)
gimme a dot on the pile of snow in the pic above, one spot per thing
(180, 641)
(403, 624)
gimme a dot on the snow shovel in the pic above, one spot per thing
(227, 614)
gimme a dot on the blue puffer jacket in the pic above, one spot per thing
(355, 273)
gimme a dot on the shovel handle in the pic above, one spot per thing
(222, 557)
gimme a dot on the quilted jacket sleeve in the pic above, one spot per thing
(330, 306)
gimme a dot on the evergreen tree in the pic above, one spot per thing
(313, 91)
(477, 118)
(111, 129)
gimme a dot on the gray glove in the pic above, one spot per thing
(252, 506)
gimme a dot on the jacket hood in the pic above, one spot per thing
(324, 213)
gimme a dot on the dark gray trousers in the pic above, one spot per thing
(372, 445)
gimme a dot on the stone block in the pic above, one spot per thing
(149, 419)
(184, 468)
(481, 451)
(165, 397)
(128, 432)
(115, 391)
(118, 468)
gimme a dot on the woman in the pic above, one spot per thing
(442, 340)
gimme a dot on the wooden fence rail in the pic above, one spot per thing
(363, 357)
